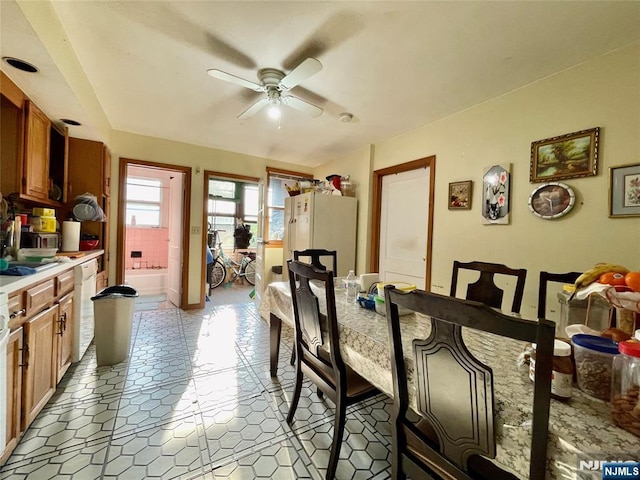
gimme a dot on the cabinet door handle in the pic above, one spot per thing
(25, 356)
(18, 313)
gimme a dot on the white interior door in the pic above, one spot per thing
(403, 227)
(176, 197)
(260, 244)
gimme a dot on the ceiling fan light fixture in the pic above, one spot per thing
(274, 112)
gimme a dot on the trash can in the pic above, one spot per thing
(276, 273)
(113, 314)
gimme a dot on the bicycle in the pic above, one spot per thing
(246, 268)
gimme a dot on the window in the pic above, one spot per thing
(144, 199)
(230, 201)
(277, 192)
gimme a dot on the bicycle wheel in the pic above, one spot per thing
(218, 274)
(250, 272)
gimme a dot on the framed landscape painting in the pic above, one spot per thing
(624, 191)
(566, 156)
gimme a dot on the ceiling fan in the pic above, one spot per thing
(274, 82)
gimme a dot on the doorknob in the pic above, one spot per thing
(424, 259)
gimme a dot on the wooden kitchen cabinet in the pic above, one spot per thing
(39, 360)
(34, 150)
(64, 336)
(90, 171)
(14, 391)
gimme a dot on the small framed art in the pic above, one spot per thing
(566, 156)
(460, 195)
(624, 191)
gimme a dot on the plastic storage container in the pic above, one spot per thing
(113, 314)
(594, 364)
(382, 309)
(43, 224)
(404, 286)
(625, 387)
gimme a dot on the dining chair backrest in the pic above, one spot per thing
(484, 289)
(315, 254)
(545, 278)
(454, 391)
(316, 333)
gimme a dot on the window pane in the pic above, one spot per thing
(222, 207)
(144, 189)
(278, 192)
(144, 214)
(276, 224)
(223, 223)
(220, 188)
(250, 201)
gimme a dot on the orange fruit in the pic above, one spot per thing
(612, 278)
(632, 279)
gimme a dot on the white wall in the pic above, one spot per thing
(604, 93)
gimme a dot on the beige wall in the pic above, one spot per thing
(602, 93)
(151, 149)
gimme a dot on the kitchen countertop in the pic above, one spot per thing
(10, 284)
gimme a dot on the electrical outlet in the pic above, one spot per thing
(195, 230)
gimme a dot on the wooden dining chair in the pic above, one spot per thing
(449, 433)
(315, 254)
(545, 278)
(318, 346)
(484, 289)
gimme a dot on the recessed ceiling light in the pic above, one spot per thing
(20, 64)
(68, 121)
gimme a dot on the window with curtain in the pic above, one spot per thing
(277, 192)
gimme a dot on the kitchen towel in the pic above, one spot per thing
(70, 236)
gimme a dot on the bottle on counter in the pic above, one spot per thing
(351, 282)
(625, 387)
(562, 374)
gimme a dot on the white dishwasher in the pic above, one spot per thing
(4, 338)
(85, 287)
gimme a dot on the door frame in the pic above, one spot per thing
(376, 210)
(122, 183)
(205, 199)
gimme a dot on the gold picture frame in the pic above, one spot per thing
(460, 195)
(566, 156)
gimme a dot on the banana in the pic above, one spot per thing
(594, 273)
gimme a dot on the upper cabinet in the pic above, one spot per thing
(34, 150)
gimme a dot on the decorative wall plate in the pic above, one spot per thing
(551, 200)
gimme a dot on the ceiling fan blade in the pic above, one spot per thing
(253, 109)
(227, 77)
(309, 67)
(302, 106)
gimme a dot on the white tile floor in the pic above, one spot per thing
(195, 401)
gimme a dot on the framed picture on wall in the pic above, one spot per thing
(460, 195)
(496, 195)
(624, 191)
(551, 200)
(566, 156)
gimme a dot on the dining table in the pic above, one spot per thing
(581, 430)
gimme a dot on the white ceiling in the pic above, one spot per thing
(394, 65)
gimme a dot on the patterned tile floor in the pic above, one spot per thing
(195, 400)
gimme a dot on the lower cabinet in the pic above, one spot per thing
(39, 365)
(64, 336)
(14, 389)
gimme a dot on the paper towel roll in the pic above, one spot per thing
(70, 236)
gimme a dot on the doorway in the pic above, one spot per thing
(231, 211)
(402, 222)
(152, 232)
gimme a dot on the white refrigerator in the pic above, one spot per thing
(328, 222)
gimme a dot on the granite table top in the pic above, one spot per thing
(580, 429)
